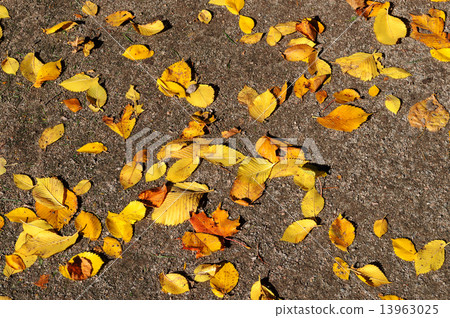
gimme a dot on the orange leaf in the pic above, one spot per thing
(298, 52)
(73, 104)
(342, 233)
(154, 197)
(43, 281)
(267, 149)
(219, 224)
(204, 244)
(307, 29)
(125, 125)
(61, 217)
(344, 118)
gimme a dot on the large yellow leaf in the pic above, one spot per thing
(221, 155)
(404, 249)
(23, 182)
(125, 125)
(298, 52)
(395, 72)
(262, 106)
(156, 171)
(341, 268)
(344, 118)
(30, 67)
(182, 169)
(119, 17)
(234, 6)
(48, 72)
(430, 257)
(137, 52)
(65, 25)
(96, 95)
(224, 280)
(133, 212)
(298, 230)
(173, 283)
(202, 97)
(82, 266)
(179, 72)
(182, 200)
(246, 24)
(149, 28)
(261, 292)
(364, 66)
(312, 203)
(92, 147)
(130, 174)
(46, 244)
(21, 215)
(388, 29)
(59, 217)
(89, 225)
(10, 65)
(342, 233)
(49, 192)
(119, 227)
(442, 55)
(50, 135)
(371, 275)
(79, 82)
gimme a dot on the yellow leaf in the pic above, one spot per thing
(364, 66)
(112, 247)
(30, 66)
(182, 169)
(32, 228)
(262, 106)
(267, 149)
(234, 6)
(73, 104)
(321, 96)
(96, 95)
(79, 82)
(182, 200)
(374, 91)
(301, 86)
(344, 118)
(371, 275)
(50, 135)
(118, 227)
(2, 165)
(218, 2)
(137, 52)
(195, 129)
(433, 25)
(82, 266)
(179, 72)
(119, 17)
(286, 168)
(261, 292)
(46, 244)
(65, 25)
(420, 116)
(225, 280)
(442, 55)
(298, 52)
(305, 178)
(2, 222)
(130, 174)
(388, 29)
(49, 192)
(204, 272)
(298, 230)
(392, 103)
(10, 65)
(395, 72)
(156, 171)
(273, 37)
(247, 95)
(58, 217)
(4, 12)
(303, 40)
(221, 155)
(251, 38)
(15, 262)
(341, 268)
(430, 257)
(173, 283)
(23, 182)
(204, 16)
(89, 225)
(133, 212)
(82, 187)
(246, 24)
(404, 249)
(287, 27)
(380, 227)
(133, 95)
(202, 243)
(346, 95)
(342, 233)
(21, 215)
(89, 8)
(202, 97)
(149, 28)
(171, 88)
(27, 260)
(312, 203)
(391, 297)
(125, 125)
(93, 147)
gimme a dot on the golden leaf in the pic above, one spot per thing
(10, 65)
(156, 171)
(442, 55)
(380, 227)
(82, 187)
(371, 275)
(364, 66)
(388, 29)
(344, 118)
(173, 283)
(182, 169)
(312, 203)
(15, 262)
(179, 72)
(30, 66)
(58, 217)
(246, 24)
(389, 297)
(395, 72)
(89, 225)
(137, 52)
(234, 6)
(23, 182)
(50, 135)
(48, 72)
(287, 27)
(321, 96)
(346, 95)
(221, 155)
(49, 192)
(251, 38)
(65, 25)
(112, 247)
(404, 249)
(305, 178)
(341, 268)
(204, 272)
(273, 37)
(130, 174)
(119, 227)
(79, 82)
(342, 233)
(96, 95)
(298, 52)
(203, 243)
(204, 16)
(149, 28)
(224, 280)
(420, 116)
(433, 24)
(392, 103)
(374, 91)
(125, 125)
(119, 17)
(297, 231)
(93, 147)
(430, 257)
(262, 106)
(202, 97)
(82, 266)
(261, 292)
(21, 215)
(4, 12)
(89, 8)
(73, 104)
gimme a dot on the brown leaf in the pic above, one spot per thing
(43, 281)
(421, 117)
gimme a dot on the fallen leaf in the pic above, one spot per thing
(342, 233)
(305, 178)
(341, 268)
(380, 227)
(119, 17)
(2, 165)
(395, 72)
(312, 203)
(89, 225)
(148, 29)
(2, 222)
(371, 275)
(266, 149)
(346, 96)
(179, 72)
(224, 280)
(364, 66)
(30, 66)
(246, 24)
(229, 133)
(321, 96)
(21, 215)
(173, 283)
(89, 8)
(43, 281)
(431, 257)
(125, 125)
(392, 103)
(219, 224)
(50, 135)
(65, 25)
(96, 95)
(48, 72)
(156, 171)
(221, 155)
(15, 262)
(433, 25)
(388, 29)
(262, 106)
(112, 247)
(344, 118)
(420, 116)
(79, 82)
(58, 217)
(390, 297)
(130, 174)
(49, 192)
(87, 48)
(251, 38)
(374, 91)
(4, 12)
(202, 243)
(273, 36)
(309, 28)
(205, 272)
(73, 104)
(404, 249)
(137, 52)
(119, 227)
(442, 55)
(261, 292)
(82, 187)
(93, 147)
(154, 197)
(202, 97)
(10, 65)
(298, 52)
(82, 266)
(204, 16)
(297, 231)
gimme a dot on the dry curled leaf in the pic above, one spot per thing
(420, 116)
(82, 266)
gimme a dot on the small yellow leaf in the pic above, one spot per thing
(66, 25)
(89, 225)
(48, 72)
(130, 174)
(364, 66)
(404, 249)
(251, 38)
(246, 24)
(10, 65)
(87, 48)
(395, 72)
(298, 52)
(82, 187)
(30, 66)
(388, 29)
(93, 147)
(380, 227)
(262, 106)
(50, 135)
(156, 171)
(341, 268)
(112, 247)
(119, 17)
(390, 297)
(342, 233)
(224, 280)
(442, 55)
(344, 118)
(261, 292)
(374, 91)
(23, 181)
(234, 6)
(298, 230)
(133, 212)
(73, 104)
(204, 16)
(202, 243)
(118, 227)
(49, 192)
(346, 95)
(133, 95)
(303, 40)
(202, 97)
(392, 103)
(173, 283)
(430, 257)
(89, 8)
(58, 217)
(312, 203)
(179, 72)
(125, 125)
(149, 28)
(273, 37)
(96, 95)
(2, 222)
(2, 165)
(371, 275)
(247, 95)
(4, 12)
(204, 272)
(287, 27)
(137, 52)
(79, 82)
(305, 178)
(21, 215)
